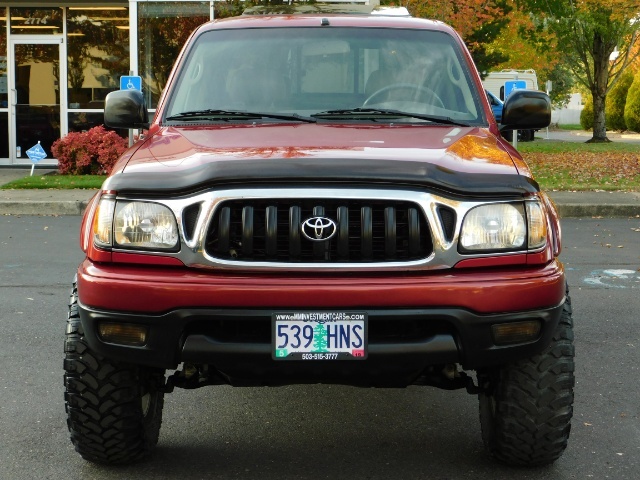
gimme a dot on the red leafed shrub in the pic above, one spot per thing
(93, 152)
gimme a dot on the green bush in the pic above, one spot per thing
(586, 116)
(632, 107)
(616, 100)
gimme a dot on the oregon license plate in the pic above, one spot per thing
(313, 335)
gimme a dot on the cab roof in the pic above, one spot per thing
(341, 8)
(326, 20)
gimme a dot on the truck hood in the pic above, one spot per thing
(458, 159)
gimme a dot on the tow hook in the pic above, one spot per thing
(471, 387)
(190, 377)
(460, 379)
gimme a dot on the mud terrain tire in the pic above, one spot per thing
(526, 415)
(114, 410)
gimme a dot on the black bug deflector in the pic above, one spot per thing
(303, 171)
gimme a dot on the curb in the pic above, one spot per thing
(608, 211)
(69, 207)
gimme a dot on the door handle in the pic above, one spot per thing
(14, 94)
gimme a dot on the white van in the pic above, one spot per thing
(494, 81)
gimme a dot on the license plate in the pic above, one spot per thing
(319, 335)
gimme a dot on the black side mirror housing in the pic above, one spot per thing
(126, 109)
(525, 110)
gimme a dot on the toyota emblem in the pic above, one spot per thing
(319, 229)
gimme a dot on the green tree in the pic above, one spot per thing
(320, 338)
(527, 48)
(616, 100)
(588, 32)
(478, 22)
(562, 84)
(586, 115)
(233, 8)
(632, 107)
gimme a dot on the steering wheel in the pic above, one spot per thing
(433, 98)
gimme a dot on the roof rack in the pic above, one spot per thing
(361, 7)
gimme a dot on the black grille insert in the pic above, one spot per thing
(189, 219)
(366, 231)
(448, 220)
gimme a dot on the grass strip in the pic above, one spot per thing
(54, 181)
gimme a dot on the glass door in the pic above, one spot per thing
(34, 103)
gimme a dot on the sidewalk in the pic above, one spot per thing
(597, 204)
(581, 136)
(73, 202)
(44, 202)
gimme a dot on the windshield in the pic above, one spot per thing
(303, 71)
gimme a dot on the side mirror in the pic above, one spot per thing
(126, 109)
(525, 110)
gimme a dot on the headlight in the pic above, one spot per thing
(504, 227)
(145, 225)
(136, 225)
(499, 226)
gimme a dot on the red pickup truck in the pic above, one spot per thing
(321, 199)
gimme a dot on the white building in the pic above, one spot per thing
(59, 59)
(570, 114)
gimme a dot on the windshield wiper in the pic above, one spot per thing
(360, 112)
(214, 114)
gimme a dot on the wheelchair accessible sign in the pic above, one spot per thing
(131, 83)
(35, 154)
(512, 85)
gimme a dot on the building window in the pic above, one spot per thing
(4, 84)
(97, 54)
(83, 121)
(163, 28)
(36, 21)
(4, 87)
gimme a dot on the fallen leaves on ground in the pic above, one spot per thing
(608, 168)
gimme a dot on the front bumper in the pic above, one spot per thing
(415, 321)
(237, 344)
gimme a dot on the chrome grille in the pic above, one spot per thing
(269, 230)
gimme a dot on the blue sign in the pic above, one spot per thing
(512, 85)
(36, 153)
(131, 83)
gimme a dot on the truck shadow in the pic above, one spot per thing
(309, 432)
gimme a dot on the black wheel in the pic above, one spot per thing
(526, 135)
(114, 410)
(526, 415)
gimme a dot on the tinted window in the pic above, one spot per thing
(304, 70)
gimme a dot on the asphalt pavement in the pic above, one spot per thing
(315, 432)
(570, 204)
